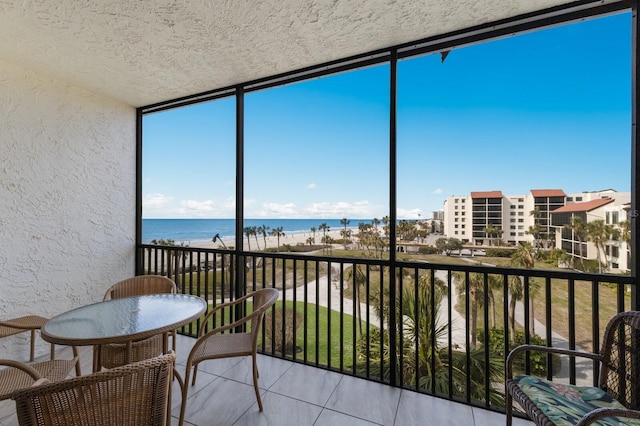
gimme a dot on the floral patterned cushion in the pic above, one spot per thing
(567, 404)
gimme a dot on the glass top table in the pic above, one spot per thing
(123, 320)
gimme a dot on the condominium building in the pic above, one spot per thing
(491, 218)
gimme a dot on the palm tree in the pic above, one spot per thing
(324, 228)
(357, 278)
(579, 229)
(536, 230)
(523, 257)
(489, 231)
(313, 231)
(254, 233)
(474, 291)
(624, 231)
(385, 221)
(278, 232)
(345, 236)
(264, 230)
(624, 228)
(599, 233)
(247, 232)
(420, 328)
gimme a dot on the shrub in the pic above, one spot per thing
(498, 252)
(428, 250)
(275, 329)
(537, 360)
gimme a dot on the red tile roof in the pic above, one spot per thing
(587, 206)
(548, 193)
(487, 194)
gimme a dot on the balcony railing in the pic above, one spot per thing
(442, 329)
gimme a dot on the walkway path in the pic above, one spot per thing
(329, 296)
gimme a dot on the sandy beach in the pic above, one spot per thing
(290, 239)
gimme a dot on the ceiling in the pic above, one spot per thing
(143, 52)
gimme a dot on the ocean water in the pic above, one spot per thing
(192, 231)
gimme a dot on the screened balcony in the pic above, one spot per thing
(82, 85)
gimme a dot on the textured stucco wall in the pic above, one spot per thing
(67, 191)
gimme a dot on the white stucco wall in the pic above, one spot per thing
(67, 191)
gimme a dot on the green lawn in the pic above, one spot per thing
(323, 342)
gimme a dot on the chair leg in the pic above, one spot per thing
(185, 389)
(195, 373)
(77, 356)
(33, 342)
(509, 409)
(96, 358)
(255, 380)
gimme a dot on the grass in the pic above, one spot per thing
(325, 334)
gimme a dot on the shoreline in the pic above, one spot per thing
(293, 239)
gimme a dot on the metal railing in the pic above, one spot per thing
(438, 328)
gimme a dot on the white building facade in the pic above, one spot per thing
(487, 218)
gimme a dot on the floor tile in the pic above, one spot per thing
(280, 411)
(334, 418)
(365, 400)
(416, 408)
(308, 384)
(221, 402)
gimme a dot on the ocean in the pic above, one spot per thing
(193, 231)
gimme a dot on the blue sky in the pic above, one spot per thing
(549, 109)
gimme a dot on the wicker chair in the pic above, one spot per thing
(133, 394)
(617, 393)
(19, 375)
(218, 344)
(114, 355)
(20, 325)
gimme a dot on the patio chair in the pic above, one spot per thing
(133, 394)
(224, 341)
(18, 375)
(20, 325)
(113, 355)
(616, 397)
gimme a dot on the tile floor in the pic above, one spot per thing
(298, 395)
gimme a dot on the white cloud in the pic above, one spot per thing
(163, 206)
(311, 186)
(156, 200)
(410, 214)
(358, 209)
(438, 191)
(277, 210)
(156, 205)
(199, 208)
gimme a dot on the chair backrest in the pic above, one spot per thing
(620, 370)
(263, 299)
(139, 286)
(134, 394)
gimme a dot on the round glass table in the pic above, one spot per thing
(123, 320)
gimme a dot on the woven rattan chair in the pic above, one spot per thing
(114, 355)
(133, 394)
(18, 375)
(224, 342)
(29, 323)
(617, 393)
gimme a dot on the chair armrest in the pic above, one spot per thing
(602, 413)
(35, 375)
(537, 348)
(220, 307)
